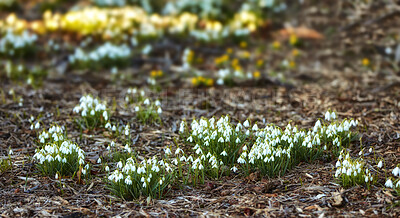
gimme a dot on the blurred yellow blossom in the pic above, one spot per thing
(260, 62)
(293, 39)
(256, 74)
(276, 45)
(365, 62)
(295, 52)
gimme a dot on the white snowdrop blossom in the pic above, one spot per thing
(396, 171)
(380, 164)
(389, 183)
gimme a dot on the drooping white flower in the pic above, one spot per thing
(389, 183)
(234, 169)
(380, 164)
(255, 127)
(333, 115)
(108, 125)
(246, 124)
(327, 116)
(396, 171)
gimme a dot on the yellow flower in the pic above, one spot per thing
(190, 56)
(246, 54)
(235, 62)
(276, 45)
(257, 74)
(295, 52)
(237, 68)
(156, 73)
(243, 44)
(260, 62)
(201, 79)
(199, 60)
(222, 59)
(365, 62)
(195, 81)
(209, 82)
(293, 39)
(229, 51)
(292, 64)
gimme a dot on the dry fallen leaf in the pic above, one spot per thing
(337, 199)
(300, 32)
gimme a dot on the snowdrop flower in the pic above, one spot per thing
(146, 102)
(167, 151)
(137, 109)
(370, 150)
(246, 124)
(255, 127)
(396, 171)
(380, 164)
(105, 115)
(224, 153)
(37, 125)
(178, 150)
(182, 127)
(234, 169)
(107, 168)
(99, 160)
(199, 151)
(327, 116)
(56, 177)
(128, 180)
(237, 140)
(389, 183)
(159, 111)
(10, 152)
(333, 115)
(108, 125)
(114, 128)
(190, 139)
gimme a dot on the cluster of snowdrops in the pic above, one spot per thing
(219, 147)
